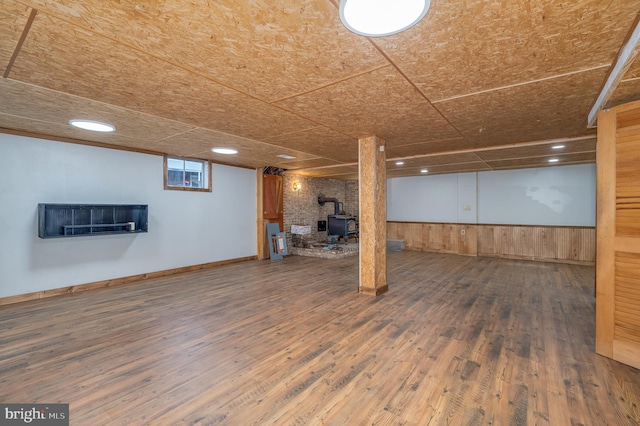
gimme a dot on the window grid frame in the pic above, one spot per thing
(207, 173)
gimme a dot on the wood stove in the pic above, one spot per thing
(343, 226)
(339, 225)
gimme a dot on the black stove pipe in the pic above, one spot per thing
(322, 199)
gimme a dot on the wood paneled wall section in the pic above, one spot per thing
(557, 243)
(543, 243)
(439, 237)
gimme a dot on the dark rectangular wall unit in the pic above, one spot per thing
(74, 220)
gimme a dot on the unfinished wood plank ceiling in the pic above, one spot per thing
(476, 85)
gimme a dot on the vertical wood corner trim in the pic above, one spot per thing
(261, 245)
(605, 231)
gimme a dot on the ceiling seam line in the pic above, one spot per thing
(193, 71)
(158, 57)
(500, 147)
(475, 150)
(333, 83)
(408, 80)
(558, 154)
(479, 160)
(295, 132)
(482, 160)
(102, 145)
(105, 145)
(66, 139)
(21, 40)
(457, 138)
(178, 134)
(195, 126)
(319, 124)
(509, 86)
(104, 103)
(297, 172)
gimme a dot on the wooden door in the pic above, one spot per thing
(270, 208)
(618, 234)
(273, 199)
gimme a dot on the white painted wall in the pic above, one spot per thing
(185, 228)
(467, 197)
(563, 195)
(554, 196)
(422, 198)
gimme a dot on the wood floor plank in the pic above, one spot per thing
(456, 340)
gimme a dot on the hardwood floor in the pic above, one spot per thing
(456, 340)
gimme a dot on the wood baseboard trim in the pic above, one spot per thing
(512, 257)
(538, 259)
(432, 250)
(115, 281)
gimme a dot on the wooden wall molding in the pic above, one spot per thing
(115, 281)
(261, 229)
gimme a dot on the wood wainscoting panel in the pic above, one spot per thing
(437, 237)
(542, 243)
(546, 243)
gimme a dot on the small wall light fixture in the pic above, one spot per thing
(378, 18)
(297, 186)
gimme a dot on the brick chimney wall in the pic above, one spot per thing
(301, 207)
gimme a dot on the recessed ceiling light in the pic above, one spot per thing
(378, 18)
(557, 147)
(225, 151)
(285, 156)
(424, 171)
(399, 163)
(553, 160)
(95, 126)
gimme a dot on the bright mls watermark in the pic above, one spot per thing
(34, 414)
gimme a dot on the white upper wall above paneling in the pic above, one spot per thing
(467, 198)
(423, 199)
(563, 196)
(560, 196)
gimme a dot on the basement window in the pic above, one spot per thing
(187, 174)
